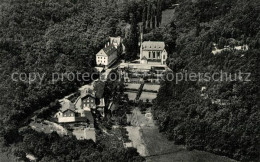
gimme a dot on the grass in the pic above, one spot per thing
(133, 86)
(160, 149)
(151, 87)
(131, 95)
(148, 95)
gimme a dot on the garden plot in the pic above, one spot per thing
(151, 88)
(132, 86)
(148, 96)
(131, 95)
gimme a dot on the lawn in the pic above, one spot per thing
(148, 95)
(132, 86)
(131, 95)
(151, 87)
(160, 149)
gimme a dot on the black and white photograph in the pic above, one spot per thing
(129, 80)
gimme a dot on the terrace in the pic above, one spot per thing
(131, 95)
(151, 88)
(132, 86)
(150, 96)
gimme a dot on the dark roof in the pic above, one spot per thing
(153, 45)
(99, 89)
(109, 50)
(87, 92)
(66, 104)
(159, 68)
(69, 110)
(89, 116)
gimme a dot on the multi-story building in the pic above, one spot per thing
(153, 52)
(107, 56)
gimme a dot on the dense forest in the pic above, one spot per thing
(45, 37)
(62, 36)
(190, 116)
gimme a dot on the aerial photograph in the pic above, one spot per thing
(130, 80)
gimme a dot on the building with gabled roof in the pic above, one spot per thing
(153, 52)
(107, 56)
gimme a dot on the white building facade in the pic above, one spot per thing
(106, 56)
(153, 52)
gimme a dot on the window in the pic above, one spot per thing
(163, 56)
(153, 54)
(158, 55)
(149, 54)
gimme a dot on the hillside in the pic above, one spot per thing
(224, 117)
(38, 39)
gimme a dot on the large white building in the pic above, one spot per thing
(106, 56)
(153, 52)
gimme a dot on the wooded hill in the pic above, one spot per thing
(48, 37)
(189, 116)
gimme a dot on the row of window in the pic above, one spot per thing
(153, 55)
(68, 115)
(88, 105)
(100, 61)
(90, 100)
(101, 57)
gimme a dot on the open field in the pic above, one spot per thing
(155, 147)
(7, 158)
(151, 87)
(160, 149)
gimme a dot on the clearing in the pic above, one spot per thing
(155, 147)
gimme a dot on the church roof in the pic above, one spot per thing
(153, 45)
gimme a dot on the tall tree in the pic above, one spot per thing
(153, 15)
(144, 16)
(149, 11)
(132, 41)
(158, 13)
